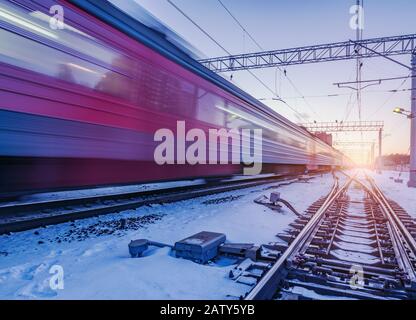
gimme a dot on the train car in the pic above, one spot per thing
(80, 102)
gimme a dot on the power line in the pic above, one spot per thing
(261, 48)
(336, 95)
(241, 26)
(374, 80)
(390, 96)
(349, 107)
(303, 97)
(225, 50)
(349, 101)
(215, 41)
(196, 25)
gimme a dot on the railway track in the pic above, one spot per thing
(26, 216)
(356, 244)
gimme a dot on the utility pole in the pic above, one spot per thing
(372, 154)
(380, 145)
(359, 36)
(412, 173)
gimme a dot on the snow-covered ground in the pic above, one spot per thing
(94, 252)
(399, 192)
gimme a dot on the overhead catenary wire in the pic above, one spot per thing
(350, 104)
(335, 95)
(261, 48)
(241, 26)
(374, 80)
(215, 41)
(349, 107)
(225, 50)
(389, 97)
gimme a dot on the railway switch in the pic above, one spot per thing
(273, 202)
(200, 247)
(247, 250)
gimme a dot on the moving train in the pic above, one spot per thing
(81, 99)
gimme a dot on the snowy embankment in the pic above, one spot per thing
(399, 192)
(93, 253)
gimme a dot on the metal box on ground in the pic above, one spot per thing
(137, 247)
(200, 247)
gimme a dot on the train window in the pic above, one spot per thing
(70, 37)
(79, 41)
(26, 41)
(14, 50)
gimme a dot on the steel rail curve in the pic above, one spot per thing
(403, 250)
(399, 230)
(268, 285)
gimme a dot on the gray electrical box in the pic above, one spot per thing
(200, 247)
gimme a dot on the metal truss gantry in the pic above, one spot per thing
(359, 145)
(349, 126)
(352, 143)
(386, 46)
(347, 50)
(343, 126)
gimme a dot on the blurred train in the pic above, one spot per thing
(79, 105)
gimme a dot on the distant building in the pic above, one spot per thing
(396, 162)
(325, 137)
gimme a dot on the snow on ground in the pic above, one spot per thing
(94, 252)
(399, 192)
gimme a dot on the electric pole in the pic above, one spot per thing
(412, 171)
(358, 38)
